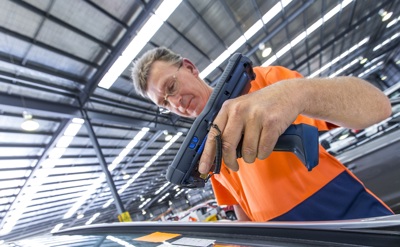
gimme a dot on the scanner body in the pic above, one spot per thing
(300, 139)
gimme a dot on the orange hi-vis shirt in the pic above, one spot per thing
(267, 189)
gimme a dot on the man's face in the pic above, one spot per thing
(178, 89)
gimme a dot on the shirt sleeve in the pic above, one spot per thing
(266, 76)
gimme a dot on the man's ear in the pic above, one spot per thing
(190, 66)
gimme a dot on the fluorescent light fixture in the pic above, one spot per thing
(57, 228)
(74, 127)
(156, 21)
(355, 61)
(64, 141)
(308, 31)
(247, 35)
(108, 203)
(337, 59)
(180, 192)
(387, 41)
(90, 221)
(366, 72)
(162, 188)
(393, 22)
(56, 153)
(162, 198)
(86, 195)
(144, 203)
(148, 30)
(135, 140)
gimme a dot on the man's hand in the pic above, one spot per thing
(260, 117)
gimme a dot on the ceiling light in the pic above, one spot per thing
(363, 60)
(266, 52)
(29, 124)
(126, 176)
(387, 16)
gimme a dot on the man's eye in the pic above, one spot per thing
(164, 103)
(171, 89)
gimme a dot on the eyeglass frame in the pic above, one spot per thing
(165, 102)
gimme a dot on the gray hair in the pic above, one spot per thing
(142, 66)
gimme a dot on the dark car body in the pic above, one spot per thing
(381, 231)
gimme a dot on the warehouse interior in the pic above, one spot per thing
(99, 148)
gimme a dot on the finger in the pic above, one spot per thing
(251, 139)
(230, 139)
(208, 155)
(267, 142)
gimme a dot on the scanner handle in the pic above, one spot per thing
(300, 139)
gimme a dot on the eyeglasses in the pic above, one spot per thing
(171, 89)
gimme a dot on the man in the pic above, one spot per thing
(263, 185)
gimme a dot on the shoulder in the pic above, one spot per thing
(268, 75)
(276, 72)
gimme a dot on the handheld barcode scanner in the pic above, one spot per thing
(300, 139)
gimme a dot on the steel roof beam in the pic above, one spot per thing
(54, 109)
(104, 166)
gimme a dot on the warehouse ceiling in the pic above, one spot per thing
(54, 54)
